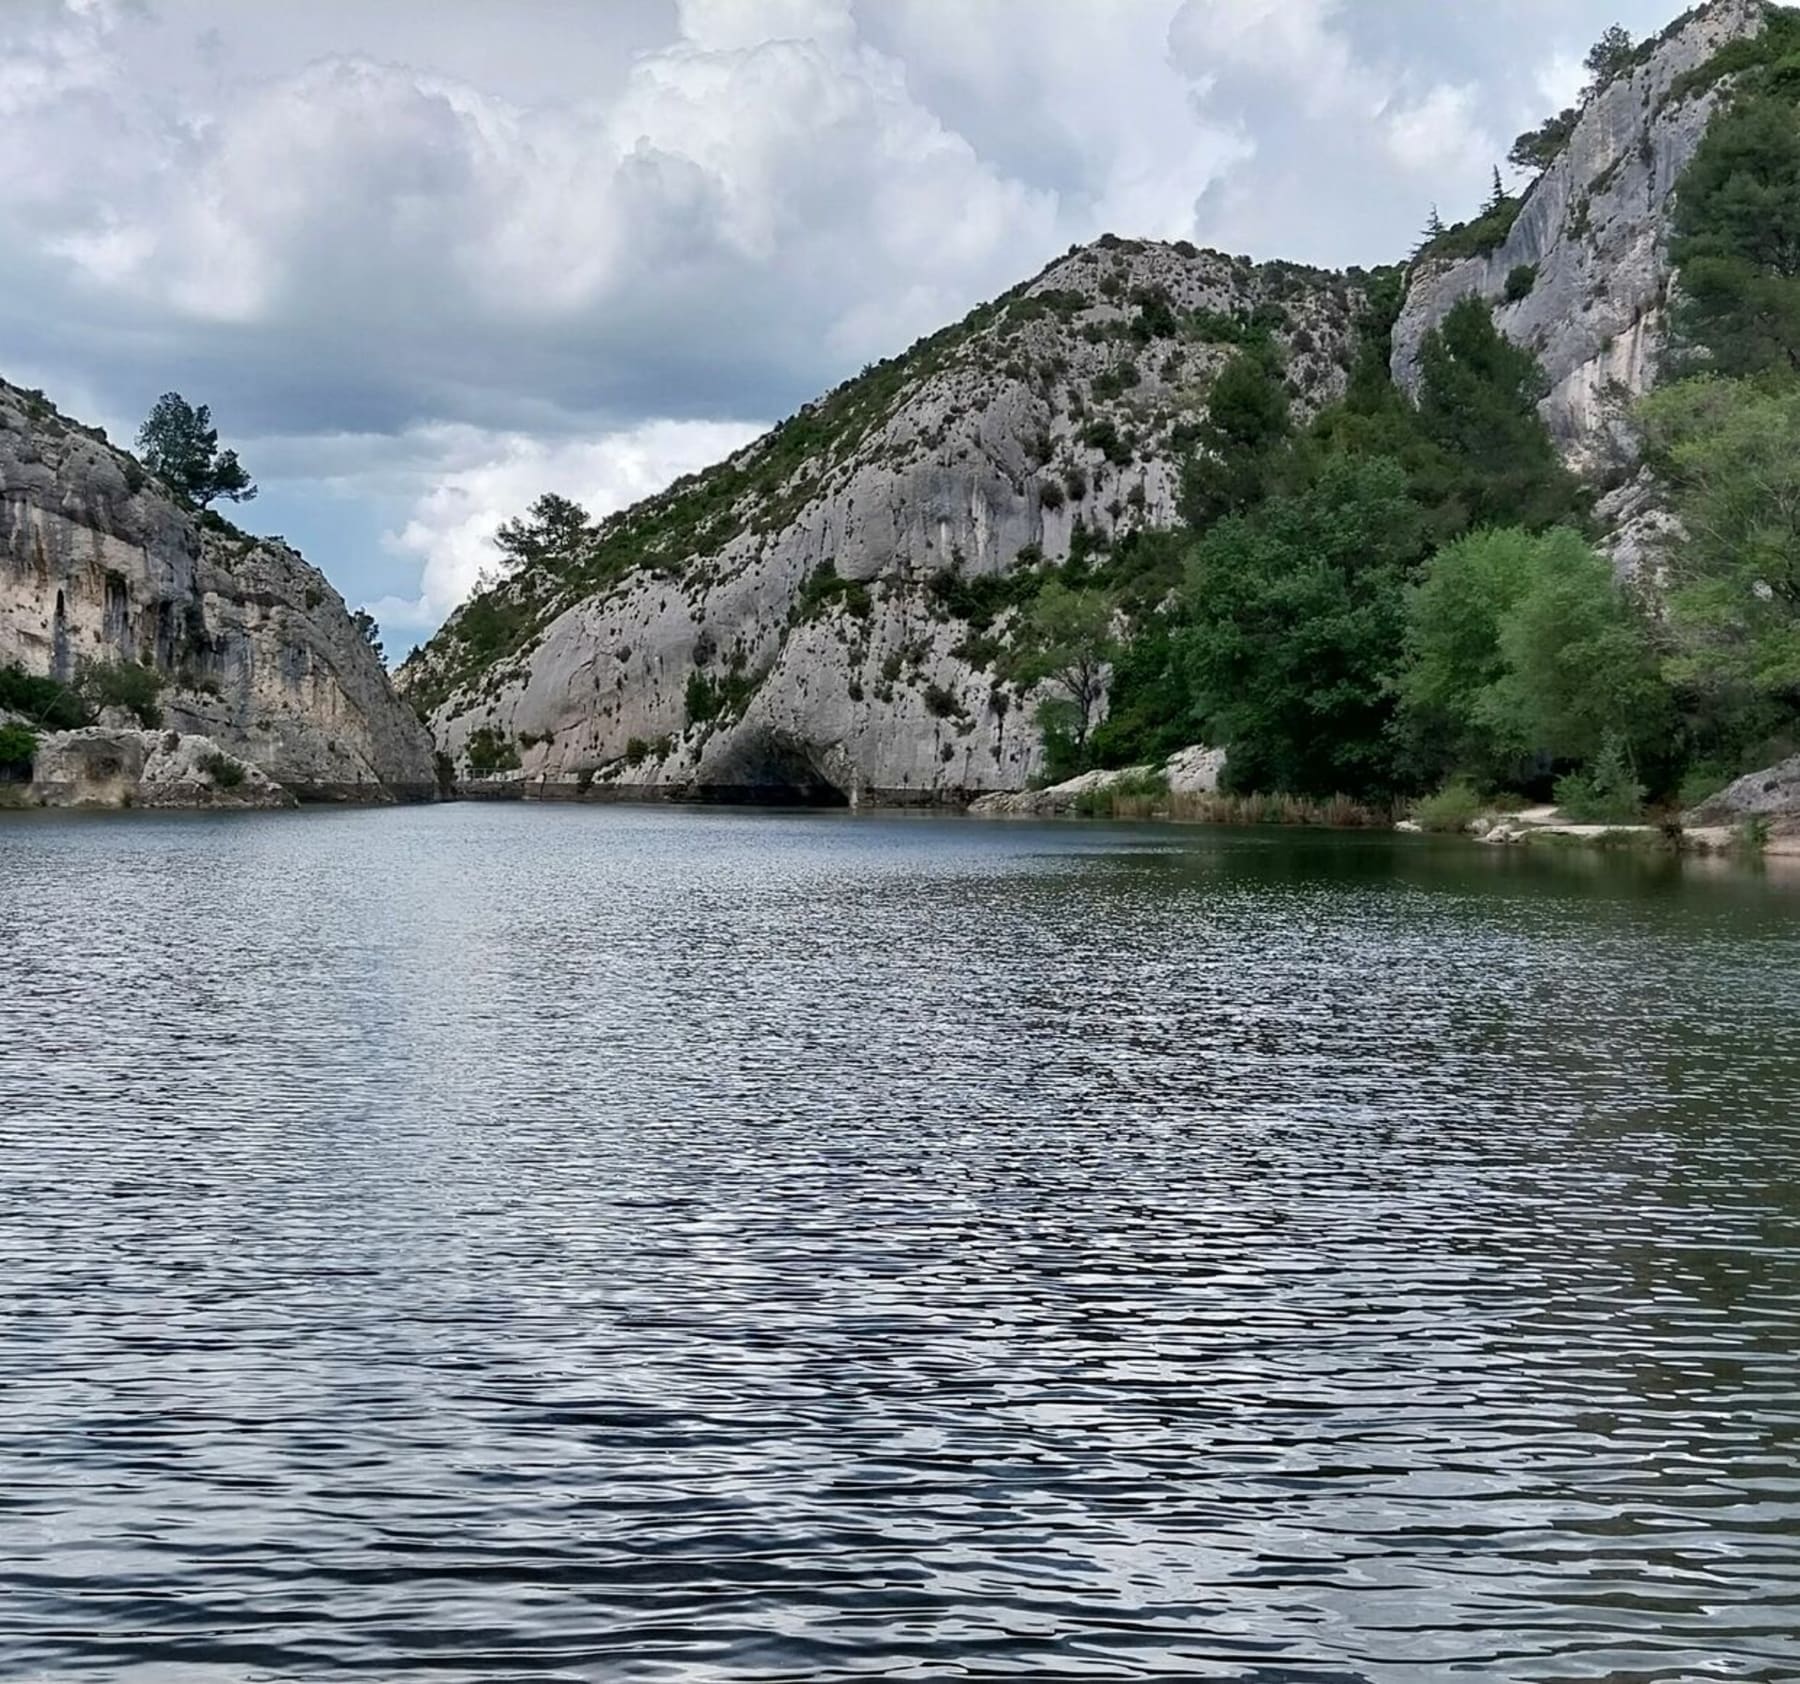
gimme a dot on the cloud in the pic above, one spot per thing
(477, 480)
(495, 244)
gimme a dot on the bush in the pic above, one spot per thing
(489, 752)
(1605, 792)
(18, 748)
(1454, 808)
(941, 703)
(1520, 282)
(1051, 495)
(223, 770)
(124, 684)
(43, 701)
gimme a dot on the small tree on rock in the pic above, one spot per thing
(1609, 55)
(180, 445)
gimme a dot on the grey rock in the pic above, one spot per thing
(1773, 794)
(1595, 226)
(109, 766)
(901, 704)
(258, 651)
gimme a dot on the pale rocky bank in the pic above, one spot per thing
(259, 657)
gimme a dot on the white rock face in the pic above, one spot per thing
(258, 650)
(106, 766)
(1595, 227)
(889, 693)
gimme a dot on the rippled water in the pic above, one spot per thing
(495, 1243)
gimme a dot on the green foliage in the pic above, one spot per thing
(489, 752)
(180, 445)
(1058, 723)
(1246, 423)
(1478, 402)
(225, 772)
(1453, 808)
(1737, 238)
(1755, 61)
(1520, 650)
(1155, 318)
(365, 623)
(1294, 612)
(18, 748)
(1611, 55)
(1067, 638)
(1606, 792)
(941, 703)
(1539, 148)
(1520, 282)
(1578, 668)
(1480, 237)
(1728, 452)
(555, 533)
(130, 685)
(1150, 704)
(825, 589)
(980, 599)
(709, 699)
(42, 701)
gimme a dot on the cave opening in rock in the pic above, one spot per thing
(772, 769)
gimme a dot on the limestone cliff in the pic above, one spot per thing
(821, 615)
(839, 587)
(258, 651)
(1583, 276)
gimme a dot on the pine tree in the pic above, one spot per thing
(1498, 198)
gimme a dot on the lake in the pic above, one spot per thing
(514, 1243)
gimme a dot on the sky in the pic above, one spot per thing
(426, 259)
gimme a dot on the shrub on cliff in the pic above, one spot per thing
(18, 748)
(180, 445)
(43, 701)
(130, 685)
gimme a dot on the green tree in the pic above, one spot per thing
(1295, 616)
(554, 534)
(367, 625)
(1247, 422)
(130, 685)
(1729, 453)
(1737, 239)
(1068, 639)
(180, 445)
(1577, 667)
(1539, 148)
(1521, 651)
(18, 748)
(1478, 398)
(1611, 54)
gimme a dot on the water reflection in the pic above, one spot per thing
(491, 1243)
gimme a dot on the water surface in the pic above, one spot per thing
(494, 1243)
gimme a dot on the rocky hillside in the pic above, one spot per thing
(1578, 271)
(821, 616)
(257, 651)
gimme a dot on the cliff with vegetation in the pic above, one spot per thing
(1372, 534)
(829, 611)
(114, 595)
(1578, 269)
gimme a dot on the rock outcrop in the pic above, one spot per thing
(109, 766)
(1772, 794)
(1592, 237)
(1190, 771)
(819, 617)
(822, 616)
(257, 651)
